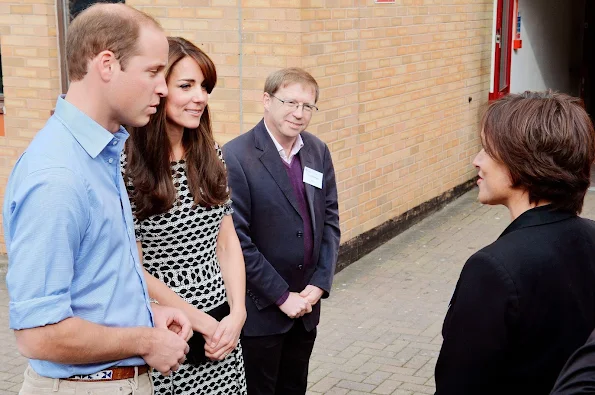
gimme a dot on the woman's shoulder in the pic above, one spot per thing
(506, 254)
(486, 259)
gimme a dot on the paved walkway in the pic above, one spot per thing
(380, 329)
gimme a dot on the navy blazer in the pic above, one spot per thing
(521, 307)
(270, 228)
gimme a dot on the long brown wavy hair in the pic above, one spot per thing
(148, 150)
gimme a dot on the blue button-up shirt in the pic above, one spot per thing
(70, 235)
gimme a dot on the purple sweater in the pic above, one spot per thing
(294, 172)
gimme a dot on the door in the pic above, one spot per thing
(503, 48)
(587, 87)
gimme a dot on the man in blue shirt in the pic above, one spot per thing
(79, 303)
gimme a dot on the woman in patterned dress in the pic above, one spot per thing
(177, 184)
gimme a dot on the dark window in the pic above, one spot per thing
(1, 88)
(1, 83)
(76, 6)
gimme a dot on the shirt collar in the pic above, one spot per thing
(89, 134)
(297, 146)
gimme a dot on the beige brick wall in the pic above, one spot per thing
(397, 78)
(30, 75)
(395, 81)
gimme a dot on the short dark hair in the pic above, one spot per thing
(547, 142)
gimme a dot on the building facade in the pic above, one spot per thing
(402, 84)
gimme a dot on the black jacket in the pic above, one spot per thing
(521, 307)
(578, 375)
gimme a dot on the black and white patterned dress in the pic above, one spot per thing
(179, 248)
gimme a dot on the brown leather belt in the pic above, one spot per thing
(114, 373)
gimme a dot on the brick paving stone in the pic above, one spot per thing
(426, 373)
(408, 379)
(419, 388)
(350, 352)
(416, 362)
(377, 378)
(358, 360)
(398, 370)
(325, 384)
(337, 391)
(380, 331)
(353, 385)
(387, 387)
(347, 376)
(368, 368)
(318, 374)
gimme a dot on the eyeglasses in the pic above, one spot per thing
(293, 105)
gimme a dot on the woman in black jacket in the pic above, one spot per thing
(526, 302)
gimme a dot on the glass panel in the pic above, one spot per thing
(76, 6)
(504, 44)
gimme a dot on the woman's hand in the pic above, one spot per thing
(206, 326)
(227, 335)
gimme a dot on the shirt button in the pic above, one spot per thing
(300, 267)
(299, 233)
(115, 142)
(111, 160)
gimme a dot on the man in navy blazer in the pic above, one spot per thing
(287, 219)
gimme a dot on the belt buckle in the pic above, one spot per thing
(106, 374)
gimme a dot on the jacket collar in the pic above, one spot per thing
(261, 137)
(538, 216)
(271, 160)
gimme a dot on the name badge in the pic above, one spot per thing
(313, 177)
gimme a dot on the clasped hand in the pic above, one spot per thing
(224, 336)
(166, 345)
(300, 304)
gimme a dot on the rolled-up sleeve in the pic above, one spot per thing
(45, 220)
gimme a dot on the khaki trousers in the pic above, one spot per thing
(35, 384)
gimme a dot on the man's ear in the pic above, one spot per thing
(105, 63)
(266, 101)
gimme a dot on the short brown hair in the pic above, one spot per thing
(547, 142)
(292, 75)
(101, 27)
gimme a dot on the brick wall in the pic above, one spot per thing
(395, 84)
(397, 80)
(30, 76)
